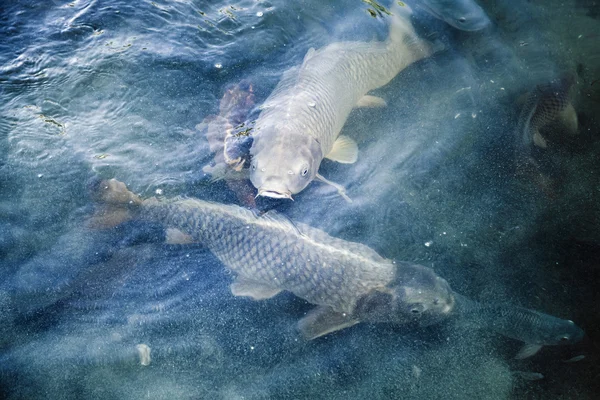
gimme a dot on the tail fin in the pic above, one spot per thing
(403, 39)
(115, 204)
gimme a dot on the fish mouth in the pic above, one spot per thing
(274, 194)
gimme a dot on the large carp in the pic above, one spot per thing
(301, 120)
(349, 281)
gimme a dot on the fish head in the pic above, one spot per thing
(416, 296)
(285, 167)
(557, 331)
(465, 15)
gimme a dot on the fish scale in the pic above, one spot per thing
(543, 105)
(300, 122)
(349, 282)
(319, 273)
(534, 328)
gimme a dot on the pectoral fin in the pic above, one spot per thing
(371, 101)
(528, 350)
(175, 236)
(323, 320)
(539, 140)
(249, 288)
(344, 150)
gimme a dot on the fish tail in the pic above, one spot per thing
(403, 39)
(115, 204)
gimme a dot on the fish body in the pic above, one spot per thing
(547, 114)
(547, 103)
(465, 15)
(301, 120)
(228, 140)
(534, 328)
(349, 281)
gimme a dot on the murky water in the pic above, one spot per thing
(103, 89)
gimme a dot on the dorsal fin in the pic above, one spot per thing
(280, 220)
(360, 249)
(277, 219)
(283, 222)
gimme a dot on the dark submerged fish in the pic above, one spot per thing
(229, 140)
(465, 15)
(534, 328)
(546, 114)
(546, 104)
(348, 281)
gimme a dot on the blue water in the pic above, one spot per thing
(103, 89)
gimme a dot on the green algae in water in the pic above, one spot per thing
(377, 10)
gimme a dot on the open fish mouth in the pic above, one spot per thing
(275, 194)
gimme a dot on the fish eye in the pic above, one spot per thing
(415, 311)
(304, 171)
(462, 20)
(564, 338)
(253, 166)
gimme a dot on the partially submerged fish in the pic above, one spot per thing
(228, 140)
(300, 122)
(465, 15)
(534, 328)
(348, 281)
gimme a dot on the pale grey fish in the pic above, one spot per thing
(465, 15)
(349, 281)
(534, 328)
(301, 120)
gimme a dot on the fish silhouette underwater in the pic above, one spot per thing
(347, 281)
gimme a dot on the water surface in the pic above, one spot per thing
(103, 89)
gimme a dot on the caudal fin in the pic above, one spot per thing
(115, 204)
(403, 39)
